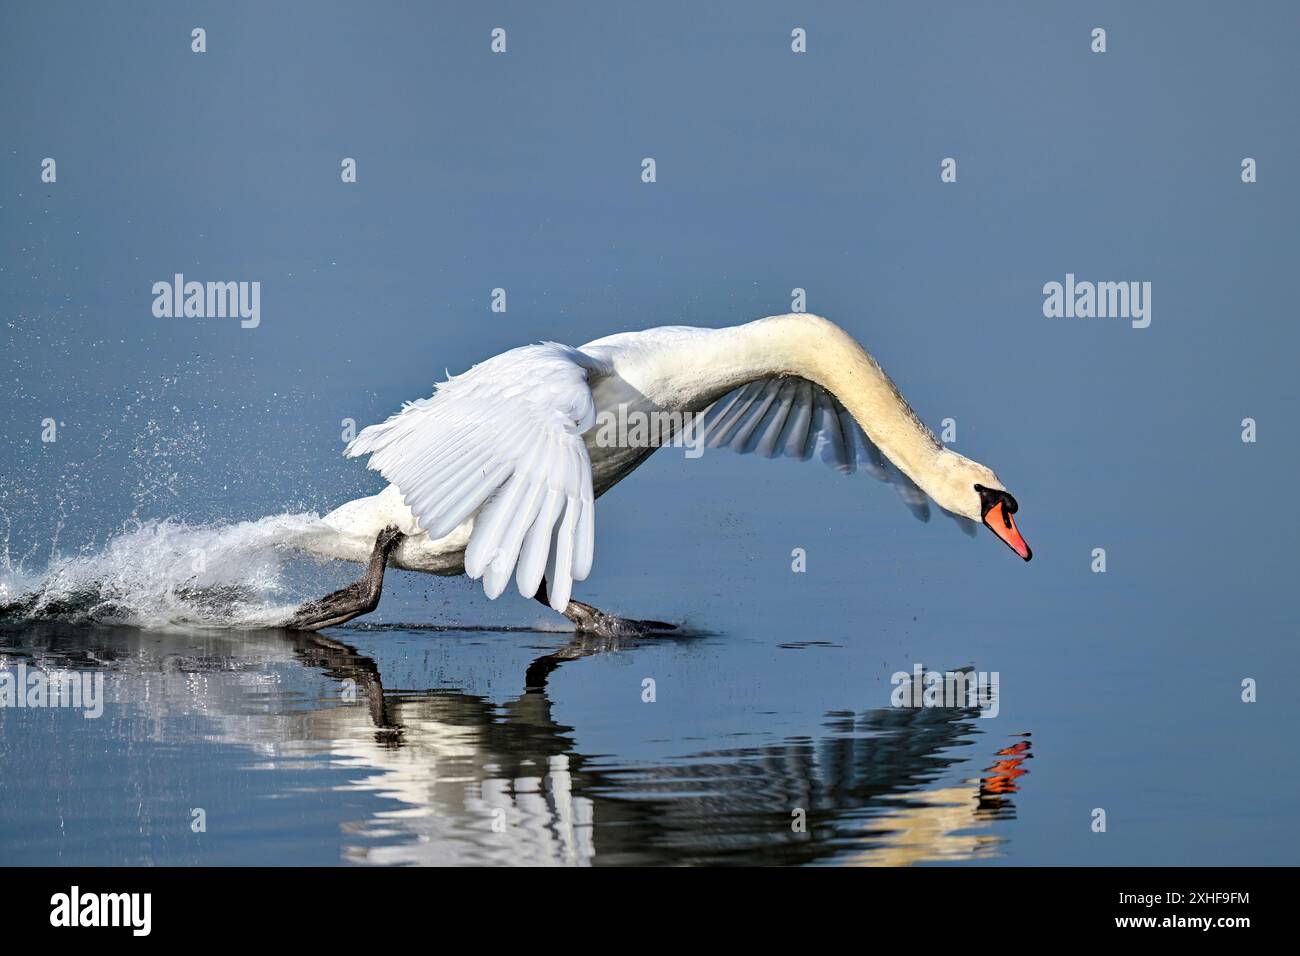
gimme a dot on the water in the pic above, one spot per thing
(465, 747)
(163, 574)
(383, 743)
(409, 738)
(177, 438)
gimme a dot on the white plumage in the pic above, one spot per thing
(498, 471)
(504, 437)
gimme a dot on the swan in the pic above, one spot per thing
(497, 473)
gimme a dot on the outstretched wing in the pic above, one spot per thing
(792, 417)
(505, 437)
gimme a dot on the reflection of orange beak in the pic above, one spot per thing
(1000, 522)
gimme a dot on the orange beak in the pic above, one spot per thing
(999, 521)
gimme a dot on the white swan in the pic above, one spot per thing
(496, 475)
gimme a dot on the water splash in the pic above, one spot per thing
(160, 574)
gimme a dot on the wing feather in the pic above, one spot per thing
(792, 417)
(502, 444)
(735, 415)
(795, 440)
(769, 443)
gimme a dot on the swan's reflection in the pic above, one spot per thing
(467, 780)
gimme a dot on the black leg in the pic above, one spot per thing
(359, 597)
(589, 620)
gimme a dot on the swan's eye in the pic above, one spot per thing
(991, 497)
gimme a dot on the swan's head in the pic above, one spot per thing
(972, 490)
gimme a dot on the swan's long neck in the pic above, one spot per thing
(820, 351)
